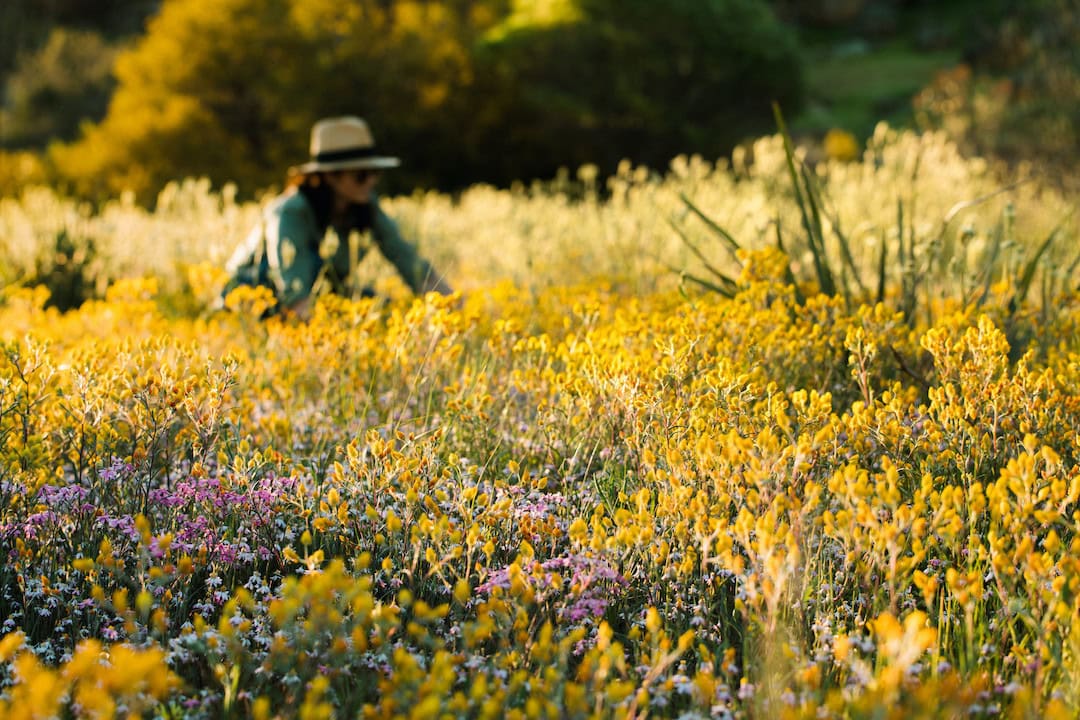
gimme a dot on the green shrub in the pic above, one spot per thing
(52, 91)
(606, 80)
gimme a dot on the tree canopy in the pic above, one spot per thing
(463, 90)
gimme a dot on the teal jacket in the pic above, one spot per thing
(282, 251)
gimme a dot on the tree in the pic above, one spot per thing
(1018, 96)
(230, 88)
(25, 25)
(199, 94)
(53, 90)
(597, 81)
(462, 90)
(408, 66)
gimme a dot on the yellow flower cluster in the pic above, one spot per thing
(102, 683)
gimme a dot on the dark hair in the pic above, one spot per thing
(319, 194)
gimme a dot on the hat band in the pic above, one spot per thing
(348, 154)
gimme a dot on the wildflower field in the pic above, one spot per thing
(747, 440)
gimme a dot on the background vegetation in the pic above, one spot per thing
(108, 95)
(464, 91)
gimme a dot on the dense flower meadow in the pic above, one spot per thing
(539, 503)
(585, 487)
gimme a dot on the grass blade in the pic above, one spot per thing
(907, 286)
(818, 231)
(988, 269)
(882, 256)
(729, 240)
(708, 285)
(825, 281)
(789, 276)
(697, 252)
(1072, 267)
(965, 204)
(845, 251)
(1029, 270)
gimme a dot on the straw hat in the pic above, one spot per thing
(343, 143)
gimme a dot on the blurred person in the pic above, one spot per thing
(333, 191)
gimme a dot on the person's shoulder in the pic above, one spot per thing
(376, 207)
(290, 202)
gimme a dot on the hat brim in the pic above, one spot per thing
(367, 163)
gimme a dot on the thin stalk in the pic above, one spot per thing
(817, 209)
(988, 266)
(882, 257)
(789, 276)
(729, 240)
(700, 256)
(845, 251)
(825, 280)
(1032, 264)
(706, 284)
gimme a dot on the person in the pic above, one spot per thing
(334, 190)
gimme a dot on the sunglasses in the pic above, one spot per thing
(362, 176)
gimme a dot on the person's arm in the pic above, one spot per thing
(292, 244)
(417, 272)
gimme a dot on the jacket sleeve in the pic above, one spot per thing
(417, 272)
(292, 247)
